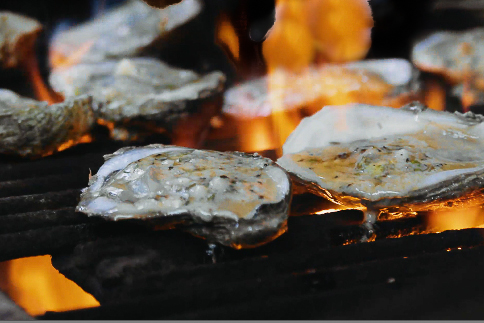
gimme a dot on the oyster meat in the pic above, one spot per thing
(32, 128)
(381, 159)
(124, 31)
(234, 199)
(138, 89)
(455, 55)
(17, 38)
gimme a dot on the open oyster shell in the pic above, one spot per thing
(33, 128)
(17, 38)
(392, 82)
(235, 199)
(124, 31)
(391, 160)
(138, 89)
(455, 55)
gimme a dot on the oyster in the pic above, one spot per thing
(455, 55)
(17, 38)
(32, 128)
(388, 82)
(138, 89)
(388, 160)
(122, 32)
(235, 199)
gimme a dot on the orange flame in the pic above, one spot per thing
(57, 59)
(331, 30)
(227, 37)
(36, 286)
(306, 31)
(42, 91)
(455, 219)
(83, 140)
(435, 95)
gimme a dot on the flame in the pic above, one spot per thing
(83, 140)
(327, 30)
(227, 37)
(59, 60)
(468, 95)
(435, 95)
(42, 91)
(305, 32)
(35, 285)
(455, 219)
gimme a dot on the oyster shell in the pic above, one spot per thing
(138, 89)
(17, 37)
(234, 199)
(391, 82)
(455, 55)
(32, 128)
(389, 160)
(122, 32)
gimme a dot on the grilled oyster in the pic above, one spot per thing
(122, 32)
(388, 160)
(32, 128)
(234, 199)
(138, 89)
(388, 81)
(455, 55)
(17, 38)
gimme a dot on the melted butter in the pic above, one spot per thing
(374, 166)
(174, 180)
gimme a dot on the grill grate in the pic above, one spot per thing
(308, 272)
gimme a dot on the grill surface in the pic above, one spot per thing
(311, 272)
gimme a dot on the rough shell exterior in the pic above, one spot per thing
(139, 89)
(32, 128)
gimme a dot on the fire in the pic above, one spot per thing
(435, 95)
(42, 91)
(83, 140)
(455, 219)
(60, 60)
(469, 97)
(326, 30)
(227, 37)
(35, 285)
(309, 31)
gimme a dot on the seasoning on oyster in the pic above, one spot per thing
(124, 31)
(235, 199)
(455, 55)
(33, 128)
(17, 38)
(141, 90)
(386, 160)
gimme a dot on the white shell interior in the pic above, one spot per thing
(376, 152)
(160, 180)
